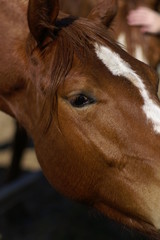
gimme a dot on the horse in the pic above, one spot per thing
(90, 108)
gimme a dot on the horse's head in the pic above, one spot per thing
(93, 113)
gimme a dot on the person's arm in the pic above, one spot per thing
(147, 19)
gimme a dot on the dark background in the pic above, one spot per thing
(40, 213)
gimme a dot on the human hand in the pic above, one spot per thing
(147, 19)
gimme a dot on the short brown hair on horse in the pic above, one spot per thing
(102, 144)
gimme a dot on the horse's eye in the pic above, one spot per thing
(81, 101)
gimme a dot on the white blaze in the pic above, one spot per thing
(118, 67)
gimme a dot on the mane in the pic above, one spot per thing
(71, 37)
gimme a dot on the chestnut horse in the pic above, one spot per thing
(89, 106)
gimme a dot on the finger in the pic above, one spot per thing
(137, 22)
(137, 19)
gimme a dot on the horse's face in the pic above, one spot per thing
(100, 144)
(102, 141)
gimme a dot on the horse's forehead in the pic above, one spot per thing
(82, 76)
(119, 67)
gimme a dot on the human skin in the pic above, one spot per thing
(147, 19)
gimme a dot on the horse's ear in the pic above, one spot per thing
(41, 16)
(104, 11)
